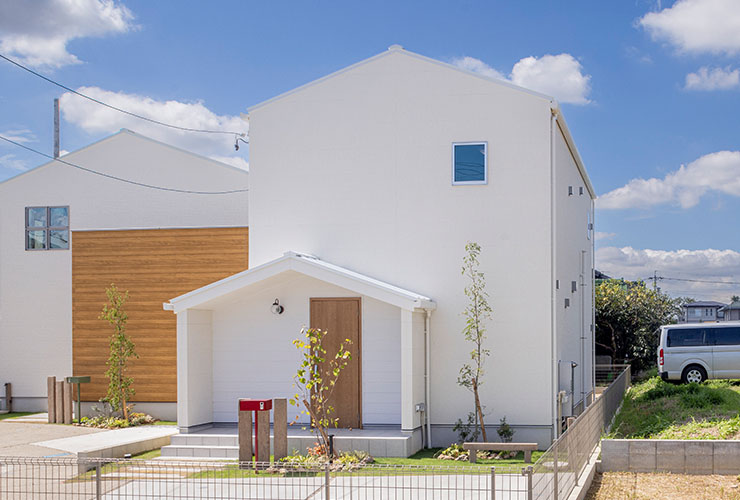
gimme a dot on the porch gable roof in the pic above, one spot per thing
(309, 266)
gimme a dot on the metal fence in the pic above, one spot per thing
(553, 476)
(62, 478)
(560, 469)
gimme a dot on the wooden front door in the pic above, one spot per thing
(340, 317)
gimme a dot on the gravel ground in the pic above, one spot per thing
(637, 486)
(17, 438)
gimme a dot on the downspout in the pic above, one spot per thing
(427, 372)
(583, 324)
(553, 293)
(593, 303)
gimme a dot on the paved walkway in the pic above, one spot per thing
(108, 439)
(20, 438)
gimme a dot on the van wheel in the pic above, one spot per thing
(693, 374)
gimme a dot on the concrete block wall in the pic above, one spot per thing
(676, 456)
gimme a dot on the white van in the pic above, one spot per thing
(695, 352)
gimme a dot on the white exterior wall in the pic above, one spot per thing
(36, 286)
(253, 354)
(356, 169)
(195, 366)
(574, 262)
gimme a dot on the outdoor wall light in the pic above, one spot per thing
(277, 308)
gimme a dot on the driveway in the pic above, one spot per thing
(17, 438)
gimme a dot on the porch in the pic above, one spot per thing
(222, 442)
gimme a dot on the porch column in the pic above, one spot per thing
(412, 368)
(194, 368)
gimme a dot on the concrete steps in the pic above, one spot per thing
(214, 445)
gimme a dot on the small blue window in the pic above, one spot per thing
(469, 163)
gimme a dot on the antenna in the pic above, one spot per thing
(56, 128)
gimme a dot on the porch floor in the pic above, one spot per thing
(222, 443)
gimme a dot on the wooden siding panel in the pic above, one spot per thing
(154, 265)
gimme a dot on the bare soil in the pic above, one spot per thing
(637, 486)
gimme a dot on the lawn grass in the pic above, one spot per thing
(655, 409)
(165, 422)
(5, 416)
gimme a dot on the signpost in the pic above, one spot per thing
(78, 381)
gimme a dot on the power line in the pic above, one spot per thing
(151, 120)
(135, 183)
(717, 282)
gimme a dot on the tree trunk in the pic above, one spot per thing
(322, 432)
(480, 413)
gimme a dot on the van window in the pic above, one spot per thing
(685, 337)
(726, 336)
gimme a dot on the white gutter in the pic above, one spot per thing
(427, 372)
(553, 277)
(168, 307)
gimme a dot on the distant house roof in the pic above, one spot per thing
(70, 157)
(600, 276)
(706, 303)
(731, 307)
(310, 266)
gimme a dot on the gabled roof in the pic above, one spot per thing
(704, 303)
(397, 49)
(124, 131)
(731, 307)
(309, 266)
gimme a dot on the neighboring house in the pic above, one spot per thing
(703, 311)
(731, 311)
(365, 186)
(66, 234)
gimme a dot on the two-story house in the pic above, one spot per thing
(365, 187)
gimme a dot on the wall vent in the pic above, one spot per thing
(567, 302)
(573, 286)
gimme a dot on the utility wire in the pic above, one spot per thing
(151, 120)
(135, 183)
(698, 281)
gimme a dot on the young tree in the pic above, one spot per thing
(476, 314)
(122, 349)
(316, 379)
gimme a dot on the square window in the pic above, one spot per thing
(47, 228)
(36, 240)
(58, 239)
(36, 217)
(469, 163)
(58, 217)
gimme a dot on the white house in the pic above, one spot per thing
(365, 187)
(66, 233)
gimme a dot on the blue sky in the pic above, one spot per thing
(646, 86)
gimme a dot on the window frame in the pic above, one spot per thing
(485, 163)
(47, 229)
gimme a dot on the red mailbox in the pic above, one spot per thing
(256, 405)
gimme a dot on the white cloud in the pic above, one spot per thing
(715, 172)
(697, 26)
(38, 32)
(12, 162)
(21, 135)
(96, 119)
(600, 236)
(706, 265)
(713, 79)
(560, 76)
(477, 66)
